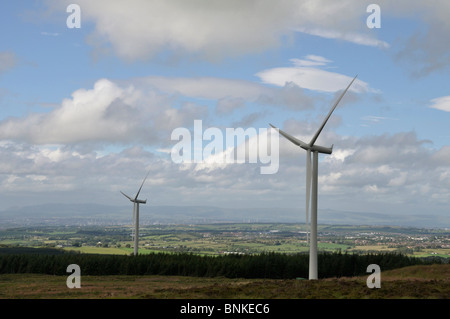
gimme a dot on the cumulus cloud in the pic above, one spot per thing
(55, 169)
(106, 113)
(216, 29)
(394, 165)
(90, 114)
(144, 110)
(397, 168)
(140, 29)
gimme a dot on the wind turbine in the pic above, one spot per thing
(136, 203)
(312, 178)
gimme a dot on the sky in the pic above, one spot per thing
(87, 109)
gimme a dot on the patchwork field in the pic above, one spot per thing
(216, 239)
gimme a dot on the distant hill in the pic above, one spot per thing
(84, 214)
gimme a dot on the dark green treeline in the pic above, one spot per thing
(267, 265)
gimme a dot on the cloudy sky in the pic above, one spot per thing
(88, 111)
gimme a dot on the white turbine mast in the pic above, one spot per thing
(136, 202)
(312, 181)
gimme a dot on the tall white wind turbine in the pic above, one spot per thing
(136, 203)
(312, 180)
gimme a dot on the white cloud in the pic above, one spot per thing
(311, 60)
(392, 167)
(399, 180)
(404, 167)
(214, 29)
(441, 103)
(341, 154)
(305, 76)
(143, 110)
(140, 29)
(106, 113)
(89, 115)
(357, 38)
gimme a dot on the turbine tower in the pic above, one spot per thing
(312, 181)
(136, 203)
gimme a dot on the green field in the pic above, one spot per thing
(242, 238)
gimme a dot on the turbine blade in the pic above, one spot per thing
(126, 196)
(141, 186)
(313, 140)
(294, 140)
(308, 190)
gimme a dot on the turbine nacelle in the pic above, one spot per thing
(321, 149)
(134, 200)
(305, 146)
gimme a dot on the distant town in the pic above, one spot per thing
(231, 238)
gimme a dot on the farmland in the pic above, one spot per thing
(243, 238)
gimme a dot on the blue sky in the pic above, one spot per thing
(86, 112)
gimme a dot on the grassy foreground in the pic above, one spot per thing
(421, 282)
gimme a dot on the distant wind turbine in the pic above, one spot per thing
(136, 203)
(312, 176)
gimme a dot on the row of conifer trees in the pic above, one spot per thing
(266, 265)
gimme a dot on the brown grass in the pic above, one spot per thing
(416, 282)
